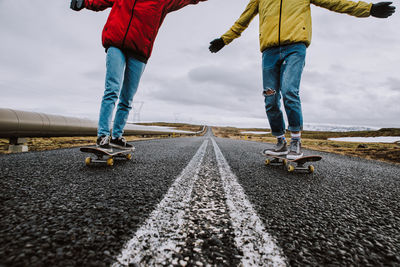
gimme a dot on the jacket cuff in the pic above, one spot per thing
(369, 9)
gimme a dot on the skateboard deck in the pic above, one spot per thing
(106, 157)
(293, 164)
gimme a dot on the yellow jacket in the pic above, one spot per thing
(288, 21)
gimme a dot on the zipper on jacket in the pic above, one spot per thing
(129, 25)
(280, 19)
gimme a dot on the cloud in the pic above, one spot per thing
(393, 84)
(235, 77)
(52, 60)
(184, 92)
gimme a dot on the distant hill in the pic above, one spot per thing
(336, 128)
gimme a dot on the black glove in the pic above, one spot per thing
(77, 5)
(216, 45)
(382, 9)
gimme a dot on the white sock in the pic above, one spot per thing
(295, 136)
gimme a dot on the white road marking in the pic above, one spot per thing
(258, 247)
(156, 240)
(163, 233)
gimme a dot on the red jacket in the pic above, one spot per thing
(133, 25)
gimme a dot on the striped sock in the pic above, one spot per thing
(296, 136)
(281, 137)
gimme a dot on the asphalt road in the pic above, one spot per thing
(55, 211)
(346, 213)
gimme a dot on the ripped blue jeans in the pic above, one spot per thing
(282, 70)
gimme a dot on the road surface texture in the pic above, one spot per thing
(200, 201)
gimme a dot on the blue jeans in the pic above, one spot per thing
(116, 63)
(282, 69)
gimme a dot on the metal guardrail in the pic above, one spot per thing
(16, 123)
(203, 130)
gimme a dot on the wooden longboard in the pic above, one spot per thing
(299, 164)
(103, 156)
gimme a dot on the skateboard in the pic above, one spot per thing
(103, 156)
(299, 164)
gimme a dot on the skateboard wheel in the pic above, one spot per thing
(284, 162)
(267, 161)
(311, 168)
(88, 160)
(128, 156)
(290, 168)
(110, 162)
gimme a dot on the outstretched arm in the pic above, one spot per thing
(178, 4)
(236, 30)
(95, 5)
(357, 9)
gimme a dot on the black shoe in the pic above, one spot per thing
(121, 143)
(103, 142)
(295, 150)
(280, 149)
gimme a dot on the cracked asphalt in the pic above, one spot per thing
(55, 211)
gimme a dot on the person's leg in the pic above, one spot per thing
(271, 90)
(291, 71)
(115, 63)
(133, 72)
(271, 84)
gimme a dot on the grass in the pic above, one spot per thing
(319, 141)
(50, 143)
(180, 126)
(310, 140)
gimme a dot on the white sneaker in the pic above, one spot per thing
(294, 150)
(279, 149)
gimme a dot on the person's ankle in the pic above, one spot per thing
(296, 136)
(281, 138)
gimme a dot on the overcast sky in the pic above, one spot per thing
(52, 61)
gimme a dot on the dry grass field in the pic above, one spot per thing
(49, 143)
(319, 141)
(310, 140)
(179, 126)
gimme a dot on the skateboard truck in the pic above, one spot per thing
(103, 156)
(276, 161)
(109, 161)
(300, 167)
(293, 165)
